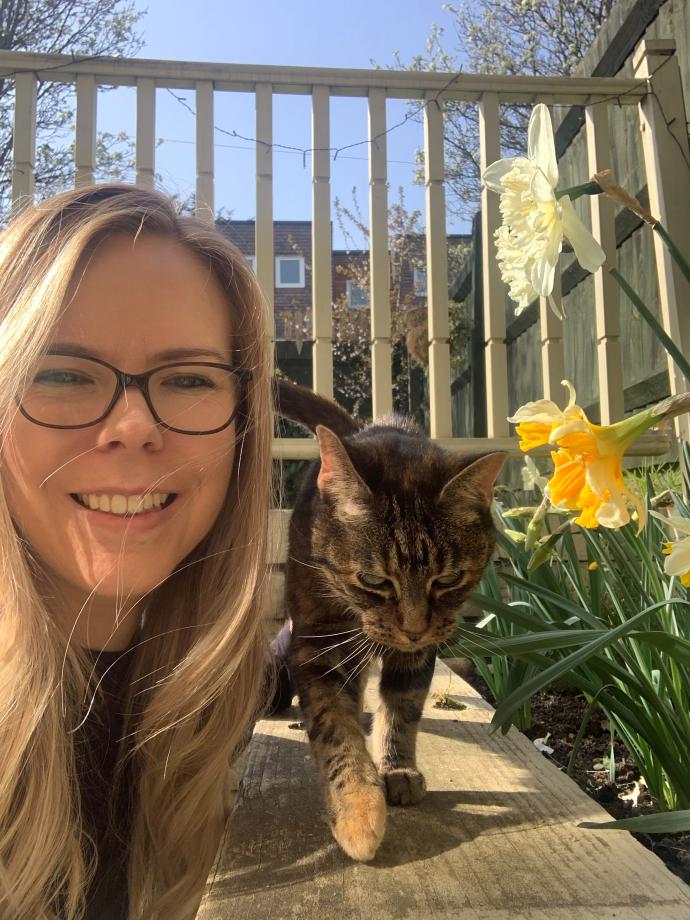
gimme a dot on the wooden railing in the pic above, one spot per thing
(658, 97)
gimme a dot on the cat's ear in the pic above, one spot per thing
(337, 477)
(476, 479)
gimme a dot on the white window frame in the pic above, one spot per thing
(419, 287)
(354, 306)
(252, 262)
(299, 259)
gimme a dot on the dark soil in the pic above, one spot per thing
(558, 713)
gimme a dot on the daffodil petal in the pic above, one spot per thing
(613, 513)
(681, 524)
(541, 410)
(588, 252)
(678, 561)
(561, 431)
(543, 275)
(541, 188)
(492, 175)
(540, 144)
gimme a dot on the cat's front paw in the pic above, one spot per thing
(359, 821)
(404, 786)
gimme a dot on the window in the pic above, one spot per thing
(289, 272)
(252, 262)
(419, 281)
(356, 296)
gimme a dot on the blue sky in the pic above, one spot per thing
(300, 33)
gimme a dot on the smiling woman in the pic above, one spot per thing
(135, 462)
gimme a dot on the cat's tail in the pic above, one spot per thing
(307, 408)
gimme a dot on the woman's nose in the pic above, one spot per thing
(130, 422)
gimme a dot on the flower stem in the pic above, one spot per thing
(676, 254)
(653, 323)
(577, 191)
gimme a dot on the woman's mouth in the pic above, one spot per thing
(124, 505)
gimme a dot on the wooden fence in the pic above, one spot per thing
(668, 183)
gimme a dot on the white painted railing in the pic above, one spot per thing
(669, 186)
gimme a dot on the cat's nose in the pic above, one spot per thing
(412, 635)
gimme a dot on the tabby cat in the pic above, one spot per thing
(388, 536)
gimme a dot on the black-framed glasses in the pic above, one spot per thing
(189, 397)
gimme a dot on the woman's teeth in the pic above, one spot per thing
(123, 504)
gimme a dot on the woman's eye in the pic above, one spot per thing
(60, 378)
(189, 382)
(373, 581)
(447, 581)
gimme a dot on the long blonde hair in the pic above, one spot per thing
(200, 652)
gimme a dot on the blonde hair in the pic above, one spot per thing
(200, 653)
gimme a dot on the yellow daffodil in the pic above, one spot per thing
(535, 221)
(677, 552)
(588, 475)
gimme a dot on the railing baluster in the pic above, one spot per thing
(204, 151)
(263, 245)
(24, 140)
(85, 142)
(606, 291)
(667, 164)
(321, 244)
(497, 405)
(437, 271)
(146, 132)
(379, 278)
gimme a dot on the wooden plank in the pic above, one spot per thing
(667, 165)
(436, 271)
(23, 140)
(263, 245)
(321, 243)
(494, 291)
(85, 140)
(205, 208)
(606, 291)
(146, 133)
(379, 274)
(495, 838)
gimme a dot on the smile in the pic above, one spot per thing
(125, 505)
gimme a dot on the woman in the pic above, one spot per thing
(134, 491)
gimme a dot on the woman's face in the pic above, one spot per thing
(139, 304)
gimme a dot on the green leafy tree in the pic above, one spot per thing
(508, 37)
(85, 28)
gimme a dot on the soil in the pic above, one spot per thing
(558, 713)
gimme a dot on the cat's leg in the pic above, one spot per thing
(330, 694)
(405, 681)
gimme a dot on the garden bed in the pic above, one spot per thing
(557, 713)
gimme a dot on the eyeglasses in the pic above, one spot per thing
(68, 391)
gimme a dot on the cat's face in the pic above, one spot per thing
(405, 542)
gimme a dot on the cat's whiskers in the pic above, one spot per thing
(329, 649)
(360, 667)
(486, 644)
(325, 635)
(358, 651)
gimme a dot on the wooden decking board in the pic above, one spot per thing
(496, 837)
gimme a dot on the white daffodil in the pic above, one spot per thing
(531, 477)
(535, 222)
(677, 552)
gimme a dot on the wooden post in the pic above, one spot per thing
(441, 425)
(321, 245)
(667, 164)
(263, 244)
(204, 151)
(379, 275)
(146, 132)
(85, 142)
(606, 291)
(24, 140)
(494, 290)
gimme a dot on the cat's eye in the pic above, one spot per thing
(373, 581)
(448, 581)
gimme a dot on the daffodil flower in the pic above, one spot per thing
(588, 476)
(535, 221)
(677, 552)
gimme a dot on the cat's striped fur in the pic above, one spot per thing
(379, 520)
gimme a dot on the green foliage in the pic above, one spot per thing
(601, 612)
(88, 28)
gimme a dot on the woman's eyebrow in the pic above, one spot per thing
(171, 354)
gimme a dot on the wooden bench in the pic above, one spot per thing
(495, 838)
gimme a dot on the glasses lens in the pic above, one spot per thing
(194, 397)
(68, 391)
